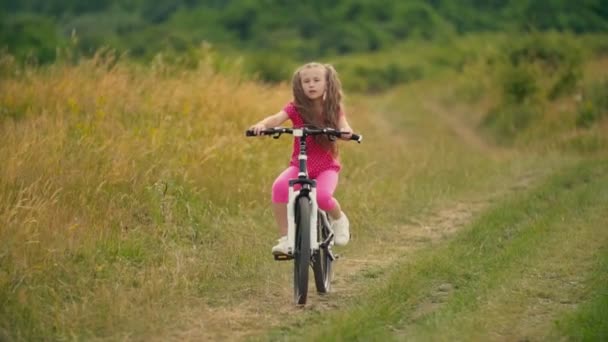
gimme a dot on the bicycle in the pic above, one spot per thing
(309, 232)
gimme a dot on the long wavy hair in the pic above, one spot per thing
(332, 103)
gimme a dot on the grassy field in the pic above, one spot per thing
(508, 276)
(132, 207)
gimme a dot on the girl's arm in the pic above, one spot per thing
(270, 121)
(344, 126)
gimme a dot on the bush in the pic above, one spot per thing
(270, 68)
(551, 59)
(505, 123)
(418, 20)
(381, 77)
(30, 37)
(519, 84)
(532, 70)
(594, 105)
(567, 81)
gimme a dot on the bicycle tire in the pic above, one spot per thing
(322, 261)
(302, 251)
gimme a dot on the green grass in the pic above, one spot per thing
(127, 206)
(144, 211)
(589, 322)
(512, 259)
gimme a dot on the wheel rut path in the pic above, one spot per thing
(354, 273)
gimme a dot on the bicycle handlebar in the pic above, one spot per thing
(277, 131)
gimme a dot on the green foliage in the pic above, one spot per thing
(530, 72)
(30, 37)
(508, 121)
(99, 29)
(57, 7)
(270, 68)
(583, 16)
(553, 61)
(146, 27)
(594, 105)
(418, 20)
(566, 81)
(519, 84)
(471, 15)
(376, 78)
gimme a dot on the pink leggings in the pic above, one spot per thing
(326, 185)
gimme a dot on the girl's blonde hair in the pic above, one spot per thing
(332, 103)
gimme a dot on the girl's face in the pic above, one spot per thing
(313, 82)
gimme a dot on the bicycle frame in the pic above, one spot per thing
(308, 189)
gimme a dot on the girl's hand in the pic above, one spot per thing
(348, 134)
(257, 128)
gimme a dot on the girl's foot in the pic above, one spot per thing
(281, 247)
(341, 230)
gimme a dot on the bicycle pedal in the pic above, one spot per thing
(282, 257)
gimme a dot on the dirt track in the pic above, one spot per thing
(355, 271)
(353, 274)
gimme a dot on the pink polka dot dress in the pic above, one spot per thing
(319, 159)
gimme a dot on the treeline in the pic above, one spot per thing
(36, 28)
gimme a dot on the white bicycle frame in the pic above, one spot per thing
(291, 215)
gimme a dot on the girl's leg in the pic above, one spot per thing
(280, 215)
(336, 212)
(326, 185)
(327, 181)
(280, 197)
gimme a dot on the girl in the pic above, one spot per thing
(317, 101)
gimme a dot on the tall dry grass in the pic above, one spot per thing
(129, 196)
(117, 189)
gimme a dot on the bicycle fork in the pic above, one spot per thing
(294, 195)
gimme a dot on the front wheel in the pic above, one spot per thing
(322, 259)
(302, 250)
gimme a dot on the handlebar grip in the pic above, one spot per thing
(356, 137)
(249, 133)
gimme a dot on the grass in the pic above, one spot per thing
(589, 321)
(115, 204)
(146, 202)
(524, 261)
(133, 207)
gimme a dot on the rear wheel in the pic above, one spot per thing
(322, 259)
(302, 250)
